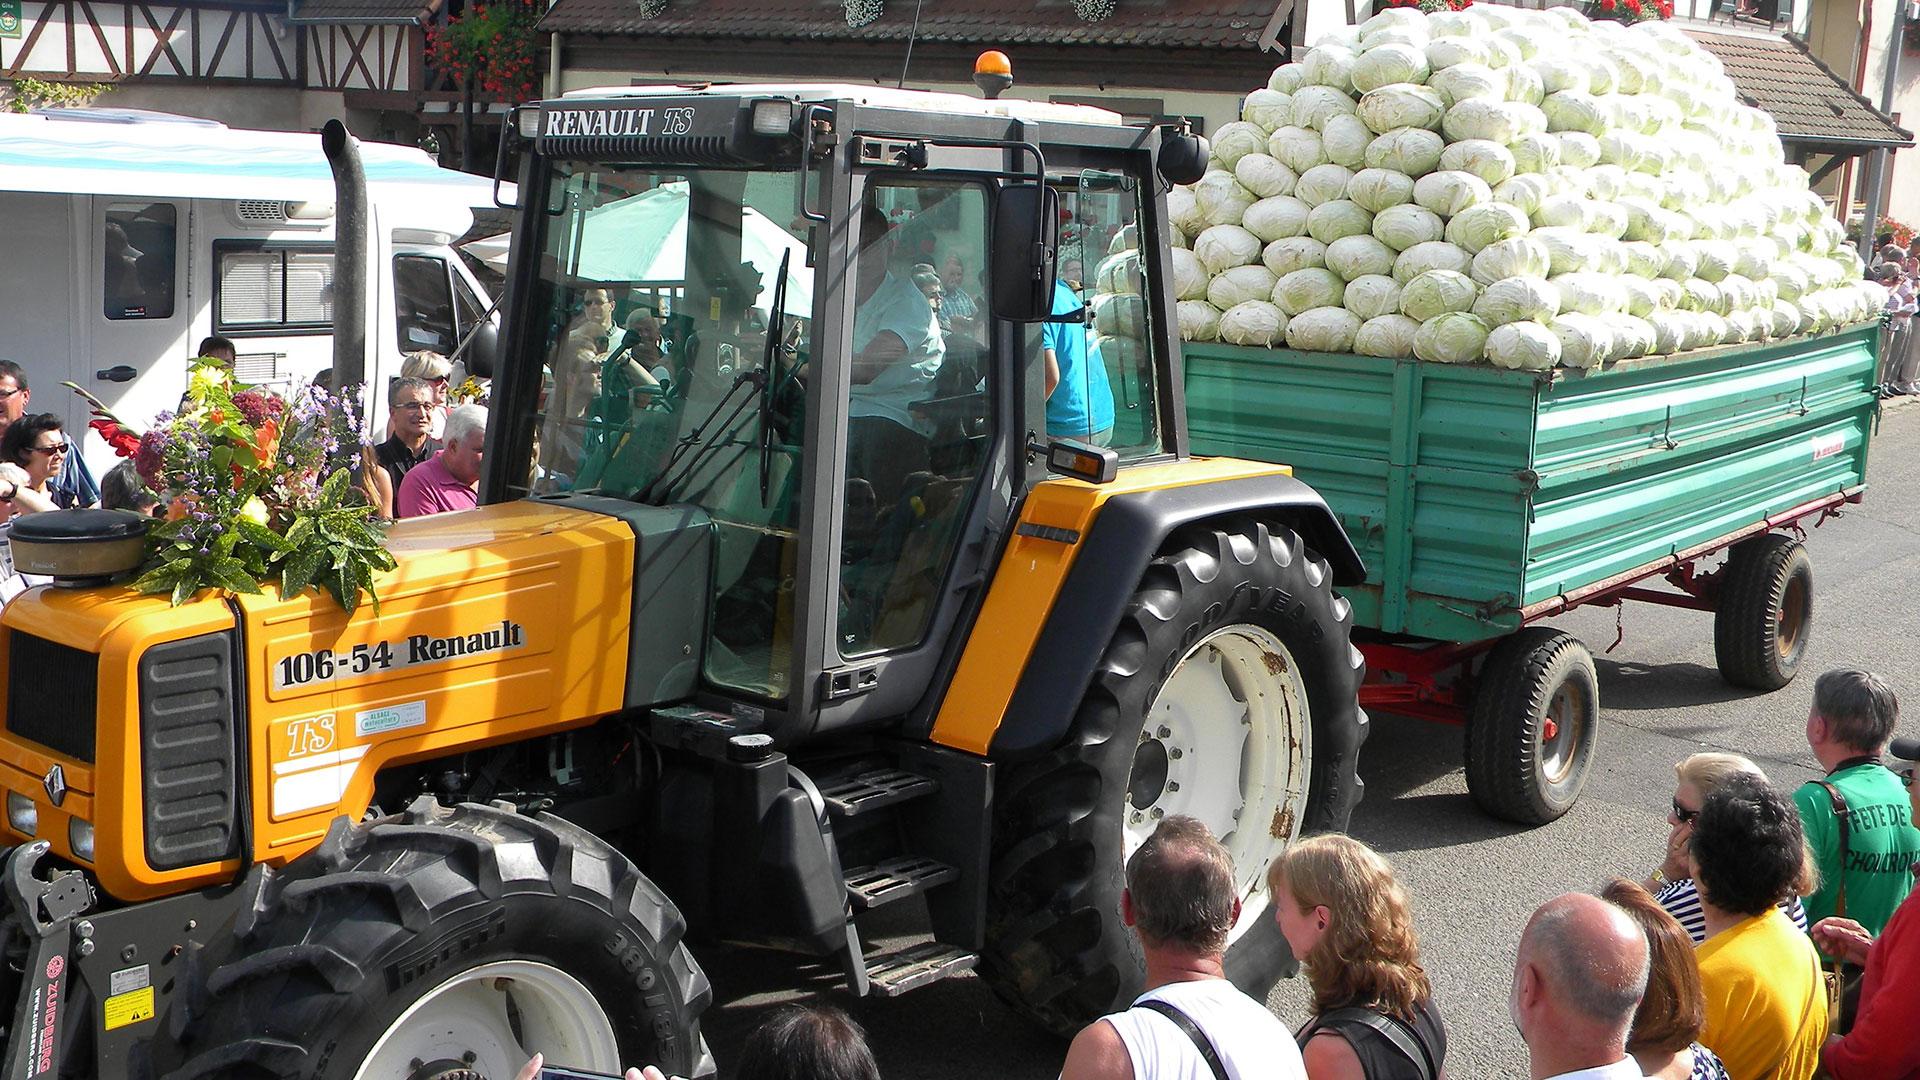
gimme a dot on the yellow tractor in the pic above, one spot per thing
(839, 547)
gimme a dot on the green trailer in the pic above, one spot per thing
(1485, 500)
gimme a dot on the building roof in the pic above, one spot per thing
(363, 12)
(1812, 106)
(1188, 24)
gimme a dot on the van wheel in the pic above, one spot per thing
(1534, 721)
(1229, 692)
(451, 942)
(1764, 619)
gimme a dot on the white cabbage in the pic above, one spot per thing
(1388, 336)
(1400, 105)
(1456, 337)
(1517, 299)
(1330, 65)
(1296, 147)
(1223, 247)
(1199, 320)
(1345, 139)
(1293, 253)
(1487, 223)
(1323, 329)
(1525, 192)
(1313, 106)
(1571, 110)
(1437, 292)
(1268, 109)
(1313, 287)
(1448, 193)
(1570, 211)
(1376, 190)
(1523, 346)
(1480, 118)
(1222, 198)
(1236, 140)
(1387, 64)
(1264, 175)
(1577, 148)
(1255, 322)
(1412, 152)
(1461, 82)
(1372, 295)
(1433, 255)
(1401, 227)
(1584, 340)
(1189, 275)
(1240, 284)
(1332, 220)
(1183, 209)
(1445, 52)
(1519, 256)
(1280, 216)
(1359, 256)
(1590, 293)
(1322, 184)
(1489, 161)
(1288, 77)
(1534, 153)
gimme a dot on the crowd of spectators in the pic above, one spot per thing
(1898, 270)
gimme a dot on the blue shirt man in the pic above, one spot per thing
(1080, 403)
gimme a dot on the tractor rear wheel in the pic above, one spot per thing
(449, 943)
(1229, 692)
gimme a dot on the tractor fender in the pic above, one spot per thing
(1131, 529)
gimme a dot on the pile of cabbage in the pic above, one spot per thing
(1530, 188)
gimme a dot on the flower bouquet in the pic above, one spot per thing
(256, 487)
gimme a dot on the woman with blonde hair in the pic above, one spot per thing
(1347, 920)
(1672, 884)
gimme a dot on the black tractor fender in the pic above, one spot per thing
(1129, 531)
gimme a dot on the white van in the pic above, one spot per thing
(131, 236)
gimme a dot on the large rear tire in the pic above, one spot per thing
(1764, 619)
(1233, 660)
(1535, 719)
(446, 945)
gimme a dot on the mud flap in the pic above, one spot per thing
(43, 912)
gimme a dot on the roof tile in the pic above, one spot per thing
(1806, 99)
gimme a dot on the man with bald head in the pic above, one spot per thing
(1577, 980)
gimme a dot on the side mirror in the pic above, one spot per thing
(1026, 235)
(484, 350)
(1183, 156)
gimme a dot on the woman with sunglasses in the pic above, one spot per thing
(31, 454)
(1672, 884)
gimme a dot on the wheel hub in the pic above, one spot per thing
(485, 1023)
(444, 1070)
(1228, 741)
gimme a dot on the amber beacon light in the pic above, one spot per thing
(993, 73)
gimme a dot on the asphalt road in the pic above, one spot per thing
(1475, 880)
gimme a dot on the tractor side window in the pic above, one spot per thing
(1102, 370)
(919, 419)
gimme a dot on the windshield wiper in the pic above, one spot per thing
(776, 331)
(699, 441)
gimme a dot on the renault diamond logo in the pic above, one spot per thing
(56, 784)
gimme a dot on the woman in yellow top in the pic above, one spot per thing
(1766, 1001)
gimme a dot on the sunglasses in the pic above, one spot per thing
(440, 380)
(413, 406)
(1683, 815)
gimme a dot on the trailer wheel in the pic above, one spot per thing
(1228, 692)
(1535, 718)
(1765, 615)
(449, 943)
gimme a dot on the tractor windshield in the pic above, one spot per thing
(668, 375)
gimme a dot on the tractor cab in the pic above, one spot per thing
(820, 318)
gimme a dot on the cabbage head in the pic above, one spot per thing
(1589, 293)
(1306, 289)
(1525, 192)
(1433, 255)
(1481, 118)
(1585, 341)
(1344, 139)
(1297, 148)
(1293, 253)
(1389, 336)
(1288, 77)
(1223, 247)
(1332, 220)
(1470, 80)
(1518, 256)
(1518, 299)
(1183, 209)
(1524, 86)
(1448, 193)
(1375, 190)
(1199, 320)
(1558, 73)
(1568, 250)
(1489, 161)
(1358, 256)
(1487, 223)
(1717, 258)
(1534, 153)
(1389, 64)
(1372, 295)
(1280, 216)
(1570, 211)
(1681, 260)
(1642, 298)
(1322, 184)
(1400, 105)
(1222, 198)
(1189, 275)
(1323, 329)
(1236, 140)
(1239, 285)
(1445, 52)
(1669, 331)
(1255, 322)
(1453, 338)
(1786, 319)
(1702, 296)
(1330, 65)
(1412, 152)
(1437, 292)
(1523, 346)
(1267, 109)
(1313, 106)
(1264, 175)
(1401, 227)
(1571, 110)
(1577, 148)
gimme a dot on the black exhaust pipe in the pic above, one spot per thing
(349, 257)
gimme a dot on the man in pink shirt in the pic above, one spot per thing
(449, 480)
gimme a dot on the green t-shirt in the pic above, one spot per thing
(1882, 844)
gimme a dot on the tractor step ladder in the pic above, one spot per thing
(875, 789)
(869, 887)
(895, 973)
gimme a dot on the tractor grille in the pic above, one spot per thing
(188, 724)
(52, 695)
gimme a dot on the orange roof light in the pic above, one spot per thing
(993, 62)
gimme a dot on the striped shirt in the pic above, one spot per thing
(1682, 901)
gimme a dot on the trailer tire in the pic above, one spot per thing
(446, 920)
(1055, 946)
(1534, 721)
(1764, 618)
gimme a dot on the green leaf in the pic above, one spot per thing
(299, 572)
(185, 589)
(334, 490)
(158, 580)
(231, 575)
(257, 533)
(301, 531)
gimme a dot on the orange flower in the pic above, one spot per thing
(266, 439)
(217, 416)
(181, 507)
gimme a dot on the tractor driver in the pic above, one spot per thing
(897, 351)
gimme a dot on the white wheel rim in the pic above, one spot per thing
(500, 1014)
(1228, 740)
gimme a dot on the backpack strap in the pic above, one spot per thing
(1839, 803)
(1396, 1031)
(1185, 1023)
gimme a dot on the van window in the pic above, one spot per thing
(423, 304)
(272, 288)
(138, 251)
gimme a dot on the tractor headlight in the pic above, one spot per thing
(80, 839)
(773, 116)
(22, 816)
